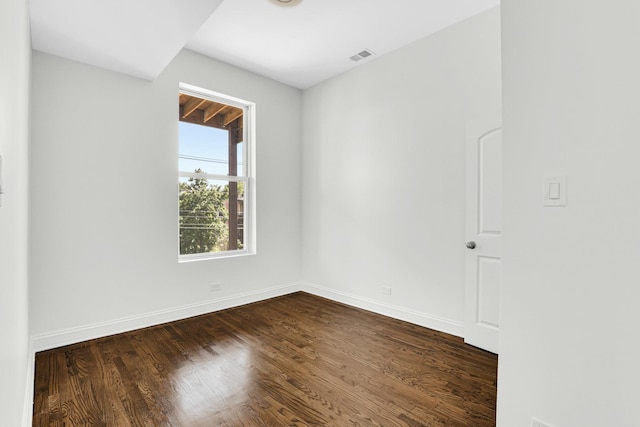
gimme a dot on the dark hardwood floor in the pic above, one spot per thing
(297, 360)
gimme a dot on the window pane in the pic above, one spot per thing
(211, 154)
(204, 148)
(211, 215)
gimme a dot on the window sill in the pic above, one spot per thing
(212, 256)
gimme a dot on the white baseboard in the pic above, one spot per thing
(97, 330)
(430, 321)
(27, 410)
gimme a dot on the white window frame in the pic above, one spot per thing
(248, 178)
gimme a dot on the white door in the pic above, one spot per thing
(483, 233)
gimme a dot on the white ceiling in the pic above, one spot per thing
(298, 45)
(136, 37)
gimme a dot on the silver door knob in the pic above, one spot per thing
(471, 245)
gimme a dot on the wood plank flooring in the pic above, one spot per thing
(296, 360)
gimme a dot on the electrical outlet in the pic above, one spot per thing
(386, 290)
(537, 423)
(215, 286)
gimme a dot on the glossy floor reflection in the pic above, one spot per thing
(297, 360)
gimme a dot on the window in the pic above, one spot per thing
(215, 179)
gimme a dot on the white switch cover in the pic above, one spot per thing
(555, 191)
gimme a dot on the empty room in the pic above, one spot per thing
(304, 212)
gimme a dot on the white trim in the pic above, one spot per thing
(249, 161)
(249, 169)
(430, 321)
(200, 92)
(97, 330)
(213, 255)
(27, 410)
(213, 177)
(63, 337)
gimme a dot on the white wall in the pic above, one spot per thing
(104, 194)
(15, 58)
(384, 173)
(570, 295)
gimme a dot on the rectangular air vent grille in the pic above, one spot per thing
(361, 55)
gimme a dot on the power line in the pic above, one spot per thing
(205, 159)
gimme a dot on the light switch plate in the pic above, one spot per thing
(555, 191)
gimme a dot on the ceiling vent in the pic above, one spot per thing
(362, 55)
